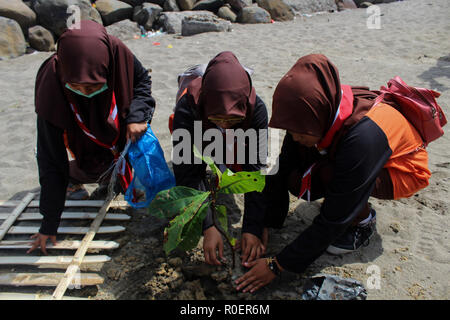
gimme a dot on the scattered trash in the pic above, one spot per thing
(329, 287)
(156, 43)
(272, 21)
(170, 46)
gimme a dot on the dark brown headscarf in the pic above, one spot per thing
(225, 89)
(86, 55)
(308, 96)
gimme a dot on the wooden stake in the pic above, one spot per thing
(78, 258)
(13, 216)
(47, 279)
(65, 230)
(25, 216)
(61, 245)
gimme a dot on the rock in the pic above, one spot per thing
(133, 3)
(113, 11)
(238, 5)
(52, 14)
(346, 4)
(209, 5)
(220, 276)
(197, 271)
(253, 15)
(19, 11)
(124, 30)
(279, 11)
(227, 14)
(158, 2)
(12, 40)
(147, 15)
(175, 262)
(310, 6)
(186, 4)
(200, 24)
(41, 39)
(171, 21)
(365, 4)
(171, 5)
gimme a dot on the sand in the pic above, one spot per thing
(411, 247)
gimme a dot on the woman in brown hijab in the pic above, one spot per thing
(223, 98)
(91, 96)
(340, 148)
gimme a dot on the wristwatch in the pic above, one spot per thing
(273, 266)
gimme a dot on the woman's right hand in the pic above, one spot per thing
(41, 241)
(212, 242)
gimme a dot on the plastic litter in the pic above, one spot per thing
(156, 43)
(170, 46)
(151, 173)
(330, 287)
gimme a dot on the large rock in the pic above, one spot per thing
(186, 4)
(147, 15)
(53, 15)
(12, 40)
(310, 6)
(124, 30)
(113, 11)
(171, 21)
(199, 24)
(133, 3)
(238, 5)
(279, 11)
(346, 4)
(19, 11)
(209, 5)
(171, 5)
(226, 13)
(254, 15)
(41, 39)
(158, 2)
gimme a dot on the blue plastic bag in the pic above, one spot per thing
(151, 173)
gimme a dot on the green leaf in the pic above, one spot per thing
(193, 230)
(209, 162)
(185, 227)
(233, 241)
(176, 200)
(241, 182)
(222, 217)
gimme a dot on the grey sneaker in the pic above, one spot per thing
(354, 237)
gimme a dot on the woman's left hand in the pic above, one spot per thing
(259, 276)
(136, 130)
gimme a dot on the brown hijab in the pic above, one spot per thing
(225, 89)
(87, 55)
(308, 96)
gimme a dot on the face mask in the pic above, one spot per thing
(105, 87)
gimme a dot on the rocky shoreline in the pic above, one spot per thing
(35, 25)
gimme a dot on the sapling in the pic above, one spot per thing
(187, 207)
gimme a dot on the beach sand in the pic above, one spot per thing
(411, 248)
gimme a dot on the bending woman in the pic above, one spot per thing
(340, 148)
(91, 96)
(223, 98)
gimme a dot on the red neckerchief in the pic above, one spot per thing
(125, 173)
(344, 111)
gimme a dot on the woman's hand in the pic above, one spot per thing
(136, 130)
(212, 242)
(41, 241)
(252, 247)
(259, 276)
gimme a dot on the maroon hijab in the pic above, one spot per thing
(225, 89)
(308, 96)
(86, 55)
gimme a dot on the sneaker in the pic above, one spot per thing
(76, 192)
(354, 237)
